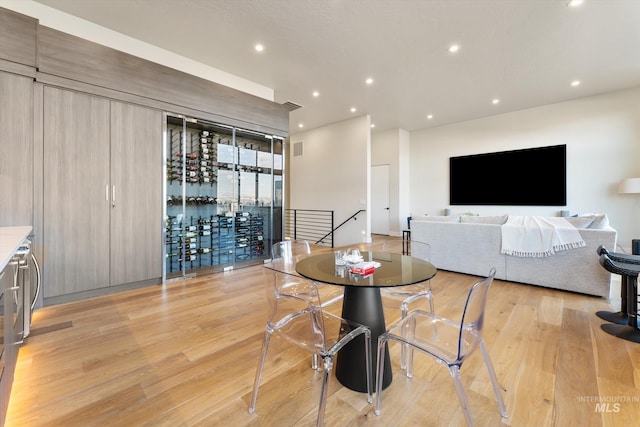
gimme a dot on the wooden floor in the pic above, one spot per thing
(185, 355)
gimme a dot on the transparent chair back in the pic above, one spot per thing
(291, 251)
(402, 296)
(408, 294)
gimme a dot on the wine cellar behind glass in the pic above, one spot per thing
(223, 196)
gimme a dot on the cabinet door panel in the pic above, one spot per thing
(16, 140)
(136, 173)
(76, 205)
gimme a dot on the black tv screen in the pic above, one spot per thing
(529, 177)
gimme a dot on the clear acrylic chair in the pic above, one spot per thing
(292, 251)
(447, 341)
(401, 296)
(295, 313)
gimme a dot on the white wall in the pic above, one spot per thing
(602, 134)
(392, 148)
(334, 174)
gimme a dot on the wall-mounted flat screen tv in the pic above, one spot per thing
(529, 177)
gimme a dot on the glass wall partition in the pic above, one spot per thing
(223, 196)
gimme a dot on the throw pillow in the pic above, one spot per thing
(499, 220)
(581, 221)
(600, 222)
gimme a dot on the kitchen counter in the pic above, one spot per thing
(10, 240)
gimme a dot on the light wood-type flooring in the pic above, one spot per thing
(185, 355)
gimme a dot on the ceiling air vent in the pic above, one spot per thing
(297, 149)
(292, 106)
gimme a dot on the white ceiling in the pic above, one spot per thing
(524, 52)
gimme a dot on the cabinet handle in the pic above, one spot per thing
(113, 196)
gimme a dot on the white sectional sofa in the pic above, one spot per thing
(472, 245)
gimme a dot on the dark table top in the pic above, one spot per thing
(394, 270)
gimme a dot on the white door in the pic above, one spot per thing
(380, 199)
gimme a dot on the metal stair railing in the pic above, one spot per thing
(313, 225)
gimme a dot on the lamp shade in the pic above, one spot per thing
(629, 185)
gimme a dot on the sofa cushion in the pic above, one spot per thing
(451, 218)
(499, 220)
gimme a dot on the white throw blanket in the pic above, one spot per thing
(532, 236)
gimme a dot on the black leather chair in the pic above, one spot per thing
(619, 317)
(630, 331)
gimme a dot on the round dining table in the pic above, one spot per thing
(362, 303)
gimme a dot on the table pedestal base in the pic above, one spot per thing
(362, 305)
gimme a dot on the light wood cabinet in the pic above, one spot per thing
(18, 37)
(76, 192)
(136, 175)
(16, 141)
(102, 192)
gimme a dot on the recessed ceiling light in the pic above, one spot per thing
(353, 109)
(575, 83)
(300, 125)
(373, 125)
(430, 116)
(495, 101)
(369, 81)
(259, 47)
(574, 3)
(454, 48)
(316, 94)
